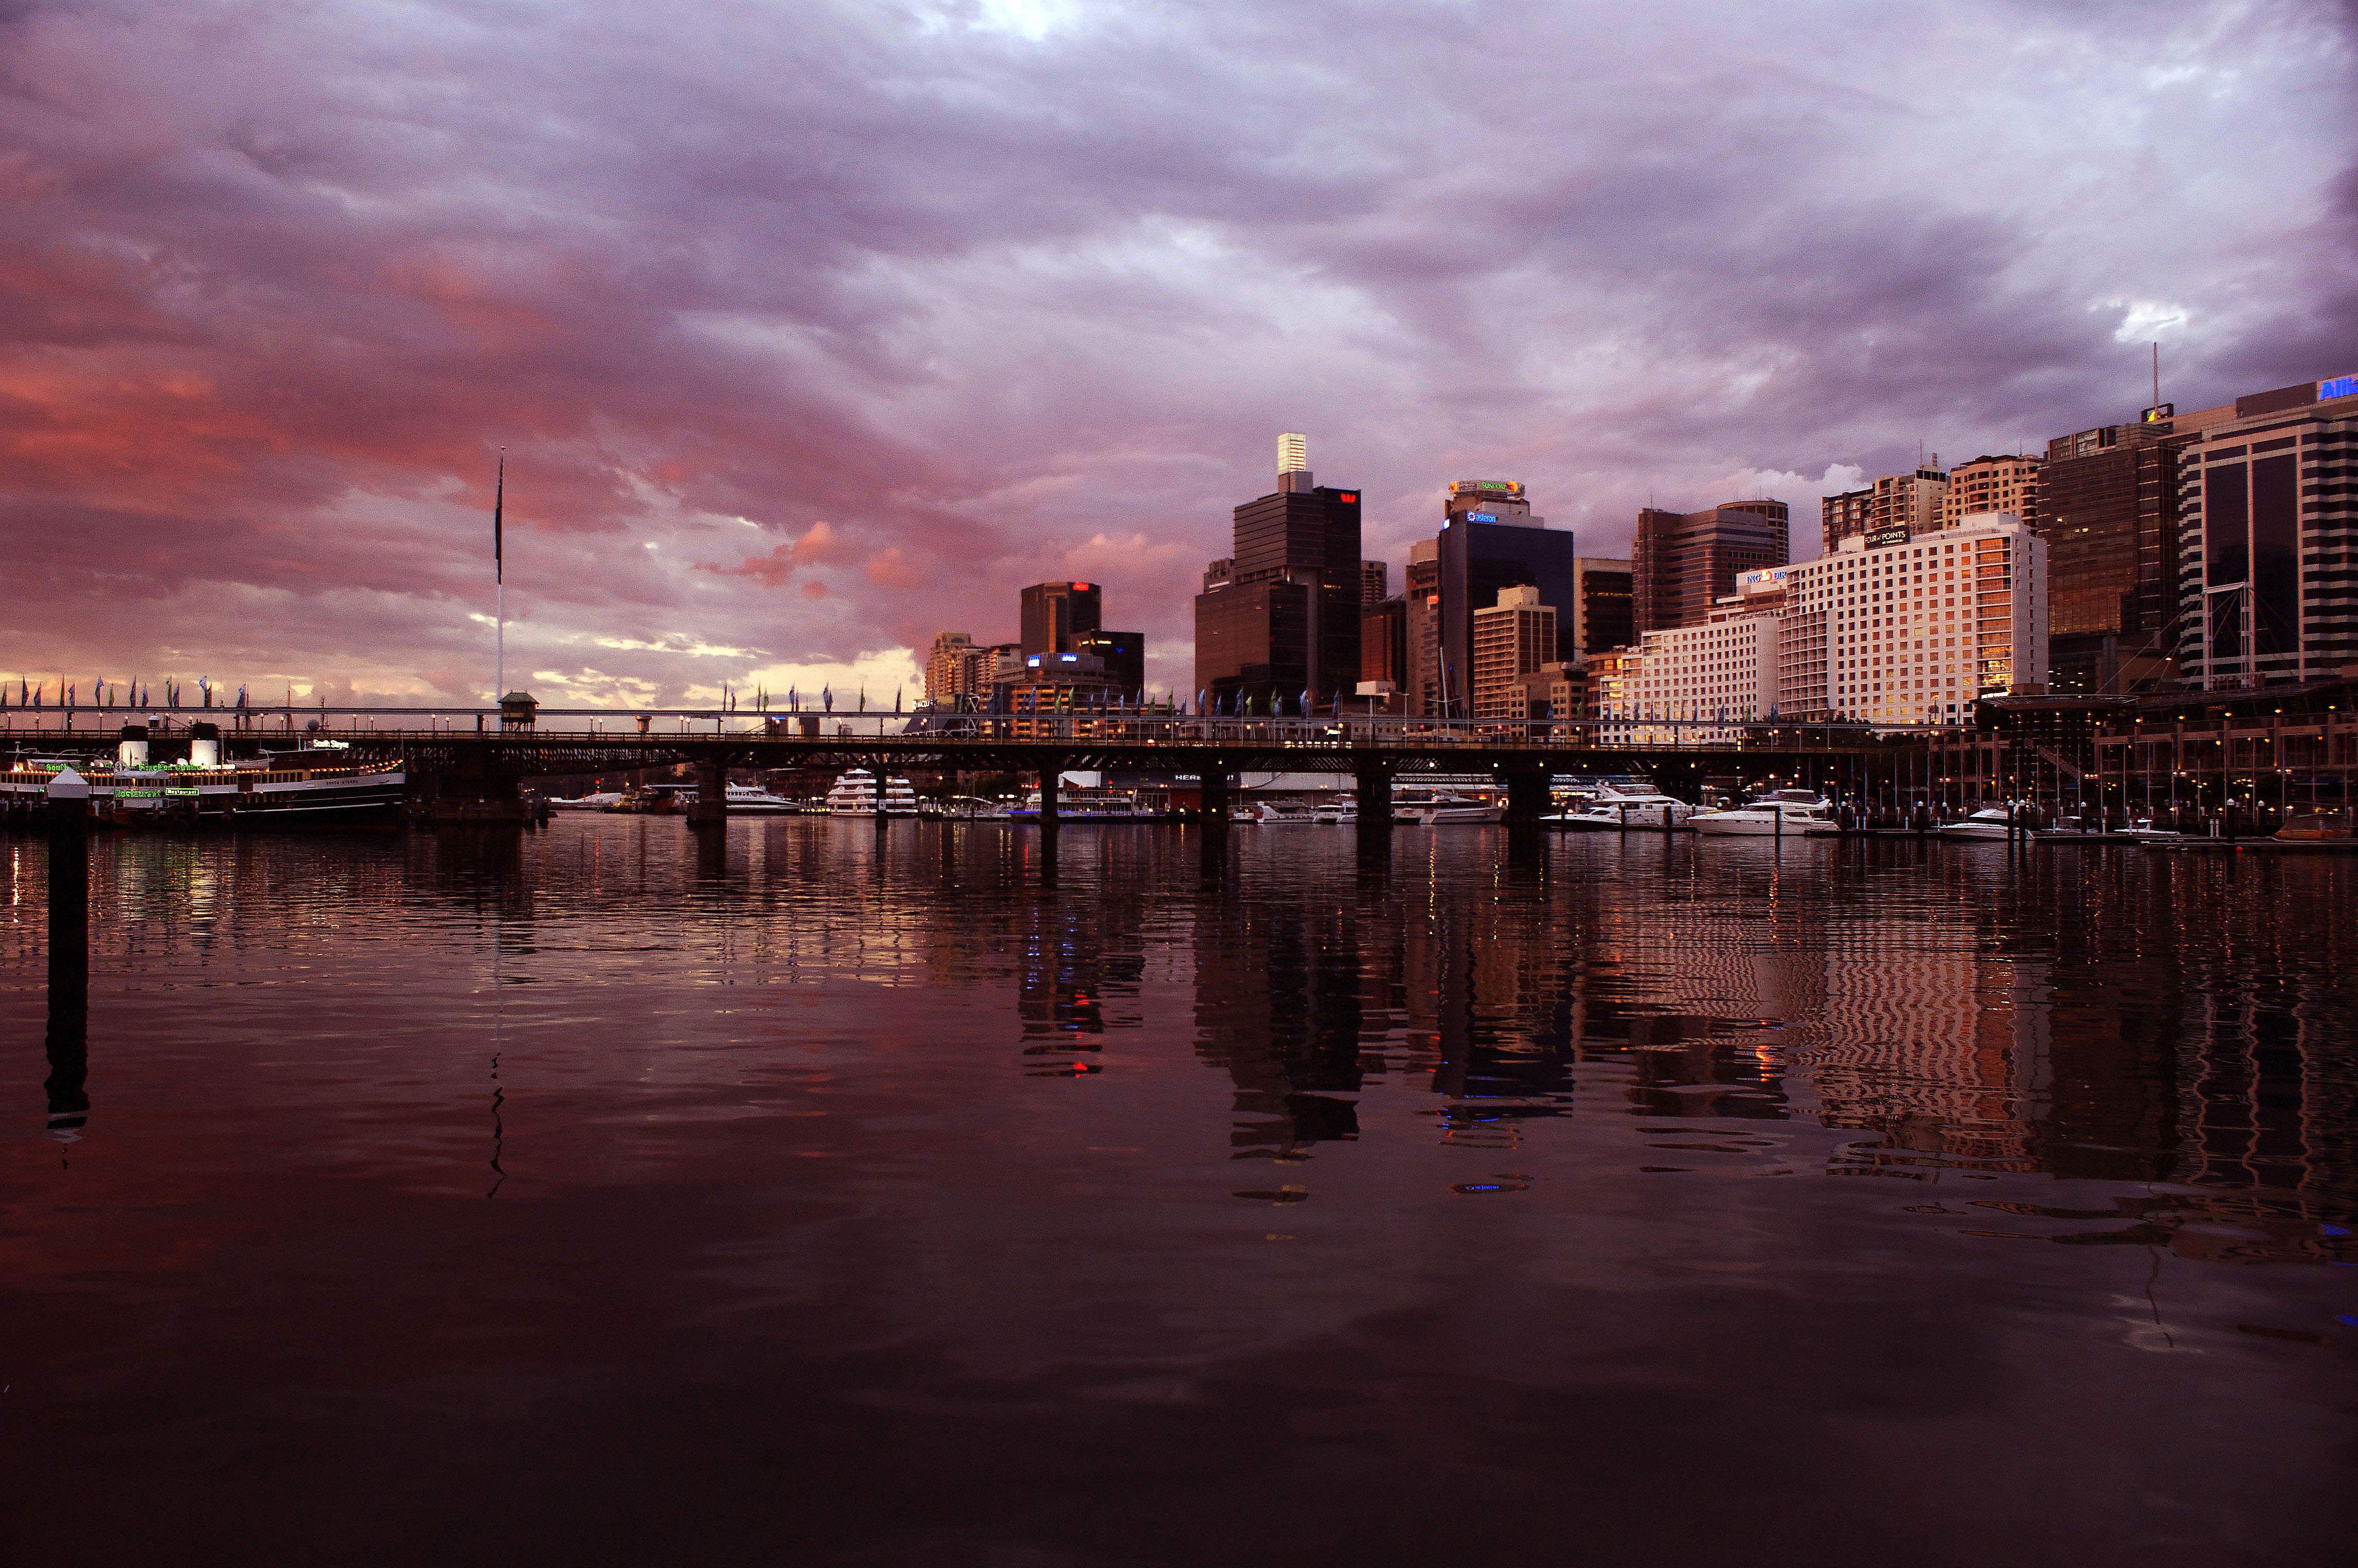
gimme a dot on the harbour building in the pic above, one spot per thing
(1891, 628)
(2268, 559)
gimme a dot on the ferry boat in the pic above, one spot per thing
(854, 795)
(313, 785)
(1084, 802)
(1778, 812)
(1617, 805)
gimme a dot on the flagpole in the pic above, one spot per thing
(500, 587)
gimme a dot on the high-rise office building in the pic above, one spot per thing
(2268, 539)
(1490, 540)
(1375, 582)
(1053, 612)
(1604, 608)
(1383, 644)
(2109, 514)
(1421, 628)
(1122, 654)
(1285, 621)
(1682, 563)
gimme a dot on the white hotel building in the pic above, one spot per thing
(1886, 629)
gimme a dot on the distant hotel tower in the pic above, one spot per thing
(1683, 563)
(1281, 616)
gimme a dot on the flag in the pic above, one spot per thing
(499, 500)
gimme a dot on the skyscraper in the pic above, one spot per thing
(1286, 618)
(2268, 538)
(2109, 503)
(1603, 614)
(1375, 582)
(1055, 611)
(1490, 540)
(1680, 563)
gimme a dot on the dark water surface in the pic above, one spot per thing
(815, 1195)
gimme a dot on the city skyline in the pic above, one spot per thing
(772, 363)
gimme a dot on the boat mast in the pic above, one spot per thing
(499, 587)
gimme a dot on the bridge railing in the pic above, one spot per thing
(1081, 728)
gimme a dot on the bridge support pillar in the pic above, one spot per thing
(1051, 777)
(1373, 790)
(1527, 794)
(711, 792)
(1213, 810)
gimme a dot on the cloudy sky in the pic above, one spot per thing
(811, 331)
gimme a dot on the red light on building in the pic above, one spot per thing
(1080, 588)
(1349, 495)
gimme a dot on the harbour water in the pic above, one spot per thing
(820, 1193)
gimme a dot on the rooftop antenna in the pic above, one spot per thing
(2157, 380)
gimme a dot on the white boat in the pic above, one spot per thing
(1341, 813)
(752, 800)
(854, 795)
(1989, 822)
(1783, 811)
(605, 800)
(1431, 807)
(1284, 814)
(1084, 802)
(969, 809)
(1620, 805)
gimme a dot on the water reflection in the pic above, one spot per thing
(887, 1143)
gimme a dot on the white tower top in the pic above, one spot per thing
(1293, 454)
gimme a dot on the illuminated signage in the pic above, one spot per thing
(1492, 486)
(1080, 588)
(1346, 496)
(1753, 582)
(2339, 387)
(1883, 537)
(2156, 416)
(1481, 517)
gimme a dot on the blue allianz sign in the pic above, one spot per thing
(2339, 387)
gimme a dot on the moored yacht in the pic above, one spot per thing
(1427, 807)
(1772, 815)
(752, 800)
(1617, 805)
(1992, 821)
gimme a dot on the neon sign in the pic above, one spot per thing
(2339, 387)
